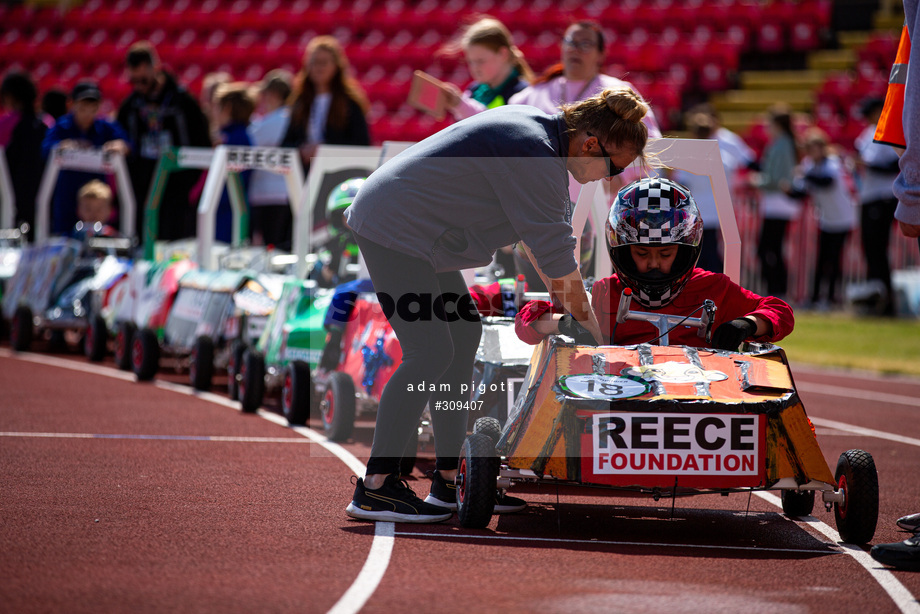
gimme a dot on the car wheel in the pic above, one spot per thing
(234, 361)
(798, 503)
(252, 381)
(338, 407)
(145, 354)
(21, 329)
(97, 338)
(124, 340)
(201, 364)
(296, 393)
(857, 515)
(476, 481)
(488, 426)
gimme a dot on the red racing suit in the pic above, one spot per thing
(732, 301)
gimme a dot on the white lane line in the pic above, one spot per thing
(157, 437)
(902, 597)
(859, 430)
(599, 542)
(378, 558)
(855, 393)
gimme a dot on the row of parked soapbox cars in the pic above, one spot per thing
(663, 421)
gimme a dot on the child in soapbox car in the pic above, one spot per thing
(689, 415)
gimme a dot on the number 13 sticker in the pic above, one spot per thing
(602, 387)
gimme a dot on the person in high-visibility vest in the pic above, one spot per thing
(899, 125)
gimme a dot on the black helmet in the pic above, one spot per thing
(654, 212)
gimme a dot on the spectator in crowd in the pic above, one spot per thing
(157, 115)
(54, 104)
(736, 155)
(824, 178)
(577, 77)
(81, 128)
(777, 171)
(270, 216)
(233, 106)
(878, 166)
(207, 99)
(21, 135)
(327, 102)
(447, 204)
(94, 210)
(497, 66)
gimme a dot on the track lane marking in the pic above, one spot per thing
(902, 597)
(378, 557)
(859, 430)
(219, 438)
(855, 393)
(596, 542)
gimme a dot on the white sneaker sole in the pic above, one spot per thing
(499, 509)
(910, 523)
(385, 516)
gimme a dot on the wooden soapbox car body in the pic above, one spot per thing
(664, 421)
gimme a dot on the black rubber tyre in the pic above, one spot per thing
(476, 481)
(296, 393)
(145, 354)
(97, 338)
(857, 517)
(21, 329)
(201, 363)
(252, 381)
(124, 340)
(234, 361)
(407, 462)
(338, 407)
(490, 427)
(798, 503)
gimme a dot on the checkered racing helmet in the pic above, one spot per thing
(654, 211)
(340, 198)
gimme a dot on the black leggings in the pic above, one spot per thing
(828, 269)
(438, 354)
(875, 231)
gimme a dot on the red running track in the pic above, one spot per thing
(117, 496)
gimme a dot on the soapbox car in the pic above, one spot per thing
(214, 316)
(52, 287)
(664, 421)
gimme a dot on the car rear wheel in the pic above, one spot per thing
(252, 381)
(97, 338)
(21, 329)
(201, 364)
(145, 354)
(234, 361)
(338, 407)
(124, 340)
(798, 503)
(296, 393)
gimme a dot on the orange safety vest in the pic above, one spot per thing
(890, 129)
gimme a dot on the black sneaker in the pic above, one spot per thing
(393, 502)
(910, 523)
(444, 494)
(901, 555)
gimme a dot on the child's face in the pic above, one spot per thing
(84, 113)
(649, 258)
(91, 210)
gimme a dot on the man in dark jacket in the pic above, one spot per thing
(160, 114)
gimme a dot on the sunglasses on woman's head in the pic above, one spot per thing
(612, 169)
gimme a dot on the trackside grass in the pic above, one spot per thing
(883, 345)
